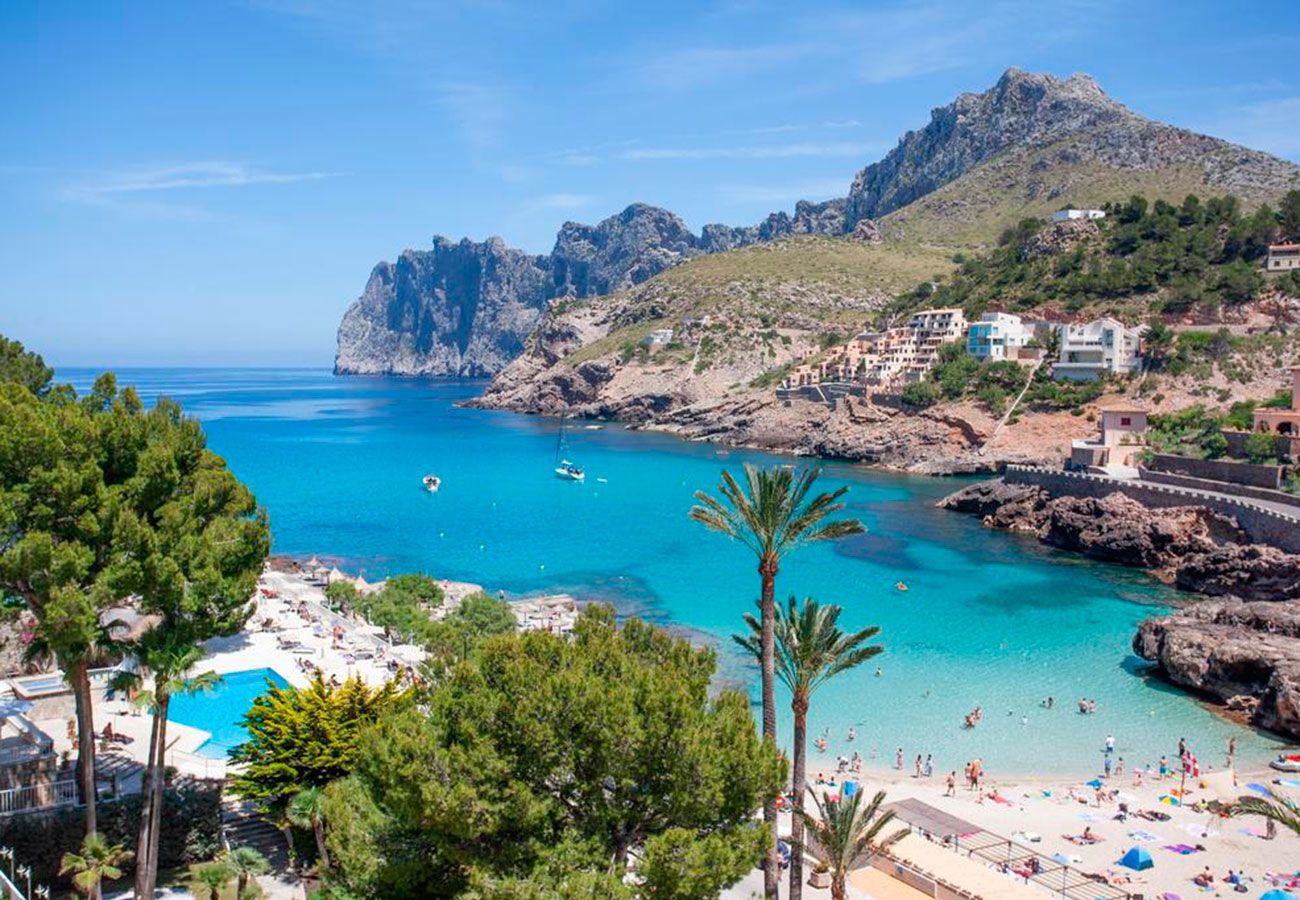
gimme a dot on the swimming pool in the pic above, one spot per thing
(31, 686)
(220, 712)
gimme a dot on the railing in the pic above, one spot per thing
(39, 796)
(196, 764)
(16, 873)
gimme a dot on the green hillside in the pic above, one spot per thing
(1198, 258)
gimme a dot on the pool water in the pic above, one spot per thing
(221, 710)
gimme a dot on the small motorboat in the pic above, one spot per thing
(431, 482)
(1287, 762)
(902, 586)
(569, 472)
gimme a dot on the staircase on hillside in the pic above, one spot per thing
(243, 826)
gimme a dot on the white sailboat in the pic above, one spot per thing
(565, 469)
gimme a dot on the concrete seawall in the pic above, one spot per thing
(1263, 525)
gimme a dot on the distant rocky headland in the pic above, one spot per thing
(465, 308)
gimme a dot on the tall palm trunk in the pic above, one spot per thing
(767, 569)
(800, 708)
(318, 829)
(837, 885)
(146, 872)
(85, 743)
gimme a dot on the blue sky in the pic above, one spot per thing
(210, 183)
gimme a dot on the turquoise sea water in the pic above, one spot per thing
(990, 619)
(220, 711)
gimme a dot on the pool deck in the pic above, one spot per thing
(294, 613)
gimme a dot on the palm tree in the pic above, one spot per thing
(1276, 807)
(247, 864)
(69, 630)
(165, 660)
(98, 861)
(772, 515)
(307, 810)
(846, 832)
(810, 650)
(210, 880)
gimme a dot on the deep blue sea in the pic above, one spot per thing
(989, 619)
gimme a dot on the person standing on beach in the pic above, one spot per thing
(1232, 751)
(918, 766)
(929, 765)
(898, 759)
(1106, 767)
(952, 784)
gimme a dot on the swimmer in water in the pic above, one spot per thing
(853, 733)
(879, 671)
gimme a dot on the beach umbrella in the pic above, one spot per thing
(1279, 894)
(1168, 896)
(1061, 858)
(1137, 859)
(1168, 800)
(1095, 783)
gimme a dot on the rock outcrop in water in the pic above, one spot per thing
(1244, 655)
(1242, 650)
(465, 308)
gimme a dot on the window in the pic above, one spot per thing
(1125, 422)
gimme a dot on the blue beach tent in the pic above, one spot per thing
(1278, 895)
(1137, 859)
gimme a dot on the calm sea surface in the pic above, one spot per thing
(989, 618)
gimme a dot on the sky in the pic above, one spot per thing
(211, 183)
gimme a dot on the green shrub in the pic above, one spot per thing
(921, 394)
(191, 830)
(1261, 447)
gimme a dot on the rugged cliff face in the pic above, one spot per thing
(457, 309)
(465, 308)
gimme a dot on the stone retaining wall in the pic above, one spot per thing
(1219, 470)
(1264, 526)
(1206, 484)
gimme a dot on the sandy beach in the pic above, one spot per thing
(1035, 815)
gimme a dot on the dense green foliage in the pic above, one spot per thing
(1194, 431)
(957, 375)
(542, 759)
(1200, 254)
(191, 830)
(304, 737)
(402, 609)
(21, 366)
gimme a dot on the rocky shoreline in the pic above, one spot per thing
(1241, 649)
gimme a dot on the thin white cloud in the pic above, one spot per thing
(1268, 125)
(875, 46)
(140, 191)
(760, 151)
(478, 111)
(819, 189)
(211, 174)
(562, 201)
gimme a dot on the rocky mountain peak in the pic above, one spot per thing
(1022, 108)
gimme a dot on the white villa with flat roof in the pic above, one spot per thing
(1093, 349)
(997, 336)
(1070, 213)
